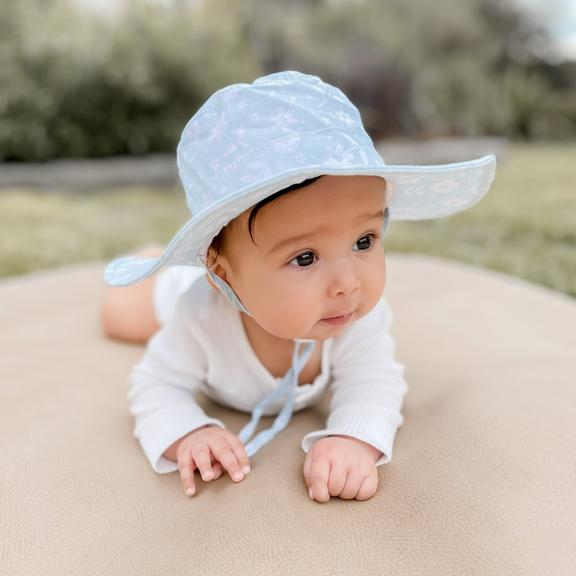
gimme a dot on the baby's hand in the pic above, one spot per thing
(197, 450)
(341, 466)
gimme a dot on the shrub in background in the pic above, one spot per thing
(77, 84)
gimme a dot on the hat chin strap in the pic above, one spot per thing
(284, 390)
(226, 289)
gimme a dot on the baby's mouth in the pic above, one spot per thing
(339, 320)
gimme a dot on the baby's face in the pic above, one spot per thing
(316, 254)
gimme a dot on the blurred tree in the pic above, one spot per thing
(412, 67)
(79, 86)
(76, 84)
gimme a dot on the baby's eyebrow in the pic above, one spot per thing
(379, 214)
(292, 239)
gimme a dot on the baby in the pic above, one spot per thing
(275, 286)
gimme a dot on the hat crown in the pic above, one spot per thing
(247, 134)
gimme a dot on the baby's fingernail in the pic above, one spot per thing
(207, 475)
(246, 469)
(238, 475)
(310, 492)
(190, 491)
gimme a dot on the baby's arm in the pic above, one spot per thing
(163, 385)
(368, 386)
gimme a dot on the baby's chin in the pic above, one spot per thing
(314, 333)
(322, 331)
(319, 330)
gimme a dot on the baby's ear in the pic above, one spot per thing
(214, 287)
(215, 266)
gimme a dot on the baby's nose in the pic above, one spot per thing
(345, 280)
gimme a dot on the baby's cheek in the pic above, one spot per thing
(292, 316)
(373, 290)
(273, 314)
(378, 277)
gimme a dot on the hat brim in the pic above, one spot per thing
(413, 193)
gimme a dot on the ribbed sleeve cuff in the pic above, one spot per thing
(162, 429)
(369, 424)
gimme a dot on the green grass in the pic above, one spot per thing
(525, 226)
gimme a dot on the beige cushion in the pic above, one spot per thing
(483, 478)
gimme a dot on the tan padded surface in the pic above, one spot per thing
(483, 478)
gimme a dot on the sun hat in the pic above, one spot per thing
(248, 141)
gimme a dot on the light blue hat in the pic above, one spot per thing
(248, 141)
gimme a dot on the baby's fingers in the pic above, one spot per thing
(186, 466)
(368, 487)
(319, 475)
(227, 454)
(203, 459)
(217, 468)
(198, 457)
(240, 451)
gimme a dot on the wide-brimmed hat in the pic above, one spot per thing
(248, 141)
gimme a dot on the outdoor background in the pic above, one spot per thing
(94, 95)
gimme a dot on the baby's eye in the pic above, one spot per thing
(365, 242)
(304, 259)
(308, 258)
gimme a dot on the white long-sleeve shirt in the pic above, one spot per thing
(202, 347)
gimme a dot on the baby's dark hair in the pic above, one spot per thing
(218, 241)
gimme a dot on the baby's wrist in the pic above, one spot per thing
(374, 453)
